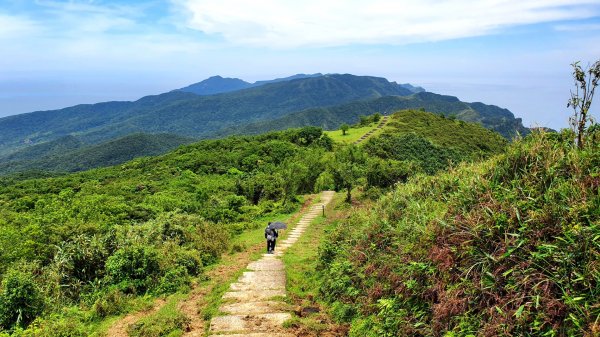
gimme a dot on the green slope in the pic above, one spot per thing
(188, 114)
(330, 118)
(433, 142)
(68, 154)
(507, 247)
(85, 245)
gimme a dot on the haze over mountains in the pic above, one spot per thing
(218, 107)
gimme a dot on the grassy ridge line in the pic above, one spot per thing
(354, 134)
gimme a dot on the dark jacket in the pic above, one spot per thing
(271, 231)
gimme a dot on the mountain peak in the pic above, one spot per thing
(219, 85)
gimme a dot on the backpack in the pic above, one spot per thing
(270, 233)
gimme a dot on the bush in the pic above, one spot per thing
(79, 262)
(113, 302)
(20, 300)
(133, 268)
(173, 280)
(68, 324)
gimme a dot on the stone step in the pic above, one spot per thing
(264, 285)
(266, 264)
(261, 276)
(252, 308)
(254, 295)
(248, 323)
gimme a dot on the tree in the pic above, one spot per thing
(347, 167)
(21, 301)
(292, 173)
(376, 117)
(344, 128)
(364, 120)
(586, 81)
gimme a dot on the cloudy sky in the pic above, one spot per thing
(511, 53)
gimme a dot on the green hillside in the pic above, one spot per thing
(506, 247)
(433, 142)
(68, 154)
(148, 226)
(58, 146)
(330, 118)
(78, 249)
(325, 101)
(187, 114)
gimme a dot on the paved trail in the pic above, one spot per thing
(251, 304)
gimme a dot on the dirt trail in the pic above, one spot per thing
(252, 304)
(368, 134)
(119, 329)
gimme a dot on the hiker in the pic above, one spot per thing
(271, 236)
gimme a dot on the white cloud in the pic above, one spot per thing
(290, 23)
(12, 26)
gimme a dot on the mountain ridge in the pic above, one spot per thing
(219, 85)
(320, 100)
(188, 114)
(493, 117)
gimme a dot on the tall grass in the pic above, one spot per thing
(508, 247)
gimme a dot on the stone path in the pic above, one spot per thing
(368, 134)
(252, 304)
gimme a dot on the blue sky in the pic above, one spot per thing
(513, 54)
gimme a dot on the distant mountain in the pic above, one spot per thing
(60, 145)
(412, 88)
(218, 85)
(188, 114)
(68, 154)
(39, 139)
(329, 118)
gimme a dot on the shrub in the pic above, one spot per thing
(133, 268)
(20, 300)
(113, 302)
(173, 280)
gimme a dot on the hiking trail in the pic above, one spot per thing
(381, 124)
(253, 304)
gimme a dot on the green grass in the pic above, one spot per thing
(301, 271)
(168, 314)
(353, 134)
(506, 247)
(167, 321)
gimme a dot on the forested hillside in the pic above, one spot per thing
(330, 118)
(147, 226)
(187, 114)
(69, 154)
(93, 241)
(31, 141)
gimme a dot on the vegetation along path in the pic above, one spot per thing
(251, 305)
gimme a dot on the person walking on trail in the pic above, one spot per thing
(271, 236)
